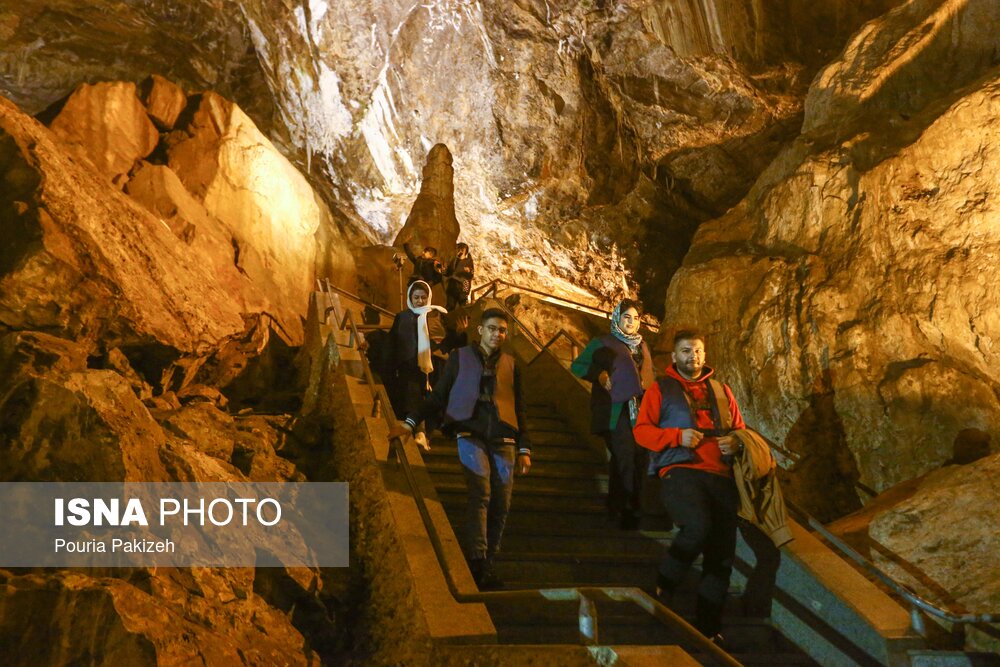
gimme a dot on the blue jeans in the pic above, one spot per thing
(489, 477)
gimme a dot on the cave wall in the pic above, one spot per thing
(581, 131)
(848, 297)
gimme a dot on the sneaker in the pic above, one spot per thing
(421, 440)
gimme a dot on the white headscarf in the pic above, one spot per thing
(423, 333)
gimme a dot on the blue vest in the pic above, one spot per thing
(675, 412)
(465, 392)
(625, 378)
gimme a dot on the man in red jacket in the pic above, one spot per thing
(685, 419)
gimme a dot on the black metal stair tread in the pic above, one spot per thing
(522, 505)
(546, 439)
(596, 533)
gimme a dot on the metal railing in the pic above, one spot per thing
(575, 345)
(493, 286)
(914, 600)
(587, 615)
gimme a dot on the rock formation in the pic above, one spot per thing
(810, 183)
(847, 296)
(431, 221)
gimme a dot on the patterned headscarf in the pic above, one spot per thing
(634, 340)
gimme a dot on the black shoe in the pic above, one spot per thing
(477, 566)
(490, 581)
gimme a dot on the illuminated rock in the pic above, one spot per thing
(849, 298)
(65, 422)
(432, 221)
(164, 101)
(942, 541)
(159, 617)
(106, 124)
(85, 261)
(271, 212)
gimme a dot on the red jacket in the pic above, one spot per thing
(707, 455)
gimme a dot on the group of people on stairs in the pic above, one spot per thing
(716, 476)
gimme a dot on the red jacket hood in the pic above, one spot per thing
(706, 372)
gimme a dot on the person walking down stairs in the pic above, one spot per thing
(620, 368)
(416, 337)
(480, 396)
(686, 419)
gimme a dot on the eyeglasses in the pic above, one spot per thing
(493, 329)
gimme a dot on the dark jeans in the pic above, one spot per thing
(406, 393)
(704, 507)
(759, 590)
(489, 478)
(626, 469)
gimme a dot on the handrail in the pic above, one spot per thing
(587, 618)
(491, 287)
(917, 602)
(330, 286)
(562, 333)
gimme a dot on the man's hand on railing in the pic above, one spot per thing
(523, 464)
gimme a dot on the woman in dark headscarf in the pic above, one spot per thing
(620, 368)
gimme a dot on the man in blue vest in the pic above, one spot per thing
(480, 396)
(685, 420)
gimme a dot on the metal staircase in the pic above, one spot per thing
(558, 536)
(573, 578)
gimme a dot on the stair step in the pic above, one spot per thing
(529, 501)
(635, 570)
(568, 485)
(539, 455)
(533, 487)
(539, 440)
(609, 544)
(445, 468)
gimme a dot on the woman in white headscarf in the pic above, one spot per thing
(417, 335)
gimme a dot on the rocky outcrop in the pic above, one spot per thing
(165, 616)
(164, 101)
(107, 125)
(846, 298)
(613, 128)
(265, 204)
(49, 49)
(88, 263)
(431, 221)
